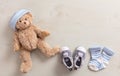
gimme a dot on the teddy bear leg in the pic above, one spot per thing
(26, 62)
(46, 49)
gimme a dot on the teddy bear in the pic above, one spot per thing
(28, 37)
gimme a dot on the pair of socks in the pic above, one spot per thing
(100, 57)
(73, 61)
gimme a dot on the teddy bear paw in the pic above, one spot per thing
(25, 67)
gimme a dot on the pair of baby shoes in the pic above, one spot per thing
(73, 61)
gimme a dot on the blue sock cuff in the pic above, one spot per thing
(108, 51)
(95, 50)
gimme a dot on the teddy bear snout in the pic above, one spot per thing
(25, 22)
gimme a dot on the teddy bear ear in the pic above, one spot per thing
(29, 14)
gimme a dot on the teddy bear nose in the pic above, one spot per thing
(24, 22)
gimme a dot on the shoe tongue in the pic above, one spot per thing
(65, 54)
(66, 59)
(78, 63)
(78, 59)
(80, 54)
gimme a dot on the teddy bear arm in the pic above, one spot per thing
(45, 33)
(16, 44)
(41, 33)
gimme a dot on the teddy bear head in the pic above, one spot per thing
(24, 22)
(21, 20)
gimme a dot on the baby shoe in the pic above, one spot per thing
(79, 56)
(67, 58)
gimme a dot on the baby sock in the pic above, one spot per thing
(95, 63)
(107, 53)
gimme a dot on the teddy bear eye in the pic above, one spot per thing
(25, 18)
(20, 21)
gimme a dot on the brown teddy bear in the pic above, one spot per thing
(29, 37)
